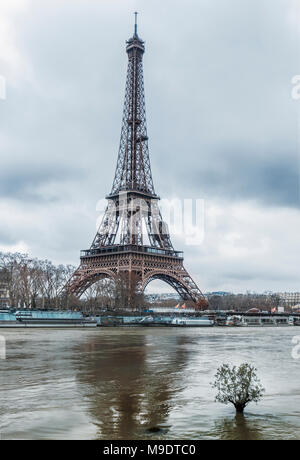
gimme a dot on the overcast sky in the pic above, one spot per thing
(222, 127)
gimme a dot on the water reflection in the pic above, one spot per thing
(238, 427)
(131, 387)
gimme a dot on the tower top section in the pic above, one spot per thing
(133, 172)
(135, 42)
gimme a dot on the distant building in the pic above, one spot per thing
(288, 299)
(171, 310)
(4, 294)
(161, 297)
(219, 293)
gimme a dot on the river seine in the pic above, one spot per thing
(144, 383)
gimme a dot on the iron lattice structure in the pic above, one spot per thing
(120, 244)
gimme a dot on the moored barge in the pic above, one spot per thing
(49, 319)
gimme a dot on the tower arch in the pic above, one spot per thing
(82, 279)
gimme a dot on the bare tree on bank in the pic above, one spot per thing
(99, 296)
(237, 385)
(34, 283)
(244, 302)
(128, 292)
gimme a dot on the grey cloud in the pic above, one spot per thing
(267, 177)
(23, 183)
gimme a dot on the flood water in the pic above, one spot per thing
(144, 383)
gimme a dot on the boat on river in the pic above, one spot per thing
(150, 321)
(202, 321)
(233, 321)
(258, 321)
(49, 319)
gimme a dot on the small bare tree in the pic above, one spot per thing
(237, 385)
(128, 291)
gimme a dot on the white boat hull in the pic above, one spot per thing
(17, 324)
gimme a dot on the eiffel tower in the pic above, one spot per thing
(120, 245)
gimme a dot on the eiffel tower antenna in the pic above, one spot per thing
(135, 24)
(120, 246)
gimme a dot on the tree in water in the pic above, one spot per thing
(237, 385)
